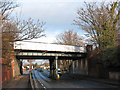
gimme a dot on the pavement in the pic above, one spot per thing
(83, 77)
(21, 81)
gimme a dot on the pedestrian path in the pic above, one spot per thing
(18, 82)
(82, 77)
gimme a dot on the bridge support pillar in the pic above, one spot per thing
(54, 68)
(73, 66)
(51, 68)
(21, 71)
(86, 65)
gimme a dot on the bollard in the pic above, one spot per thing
(58, 76)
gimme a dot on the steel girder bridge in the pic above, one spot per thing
(53, 52)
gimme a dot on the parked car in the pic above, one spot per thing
(59, 72)
(40, 70)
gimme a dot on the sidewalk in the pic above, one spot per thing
(21, 81)
(106, 81)
(82, 77)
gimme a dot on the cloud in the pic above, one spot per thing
(58, 14)
(52, 1)
(48, 39)
(53, 12)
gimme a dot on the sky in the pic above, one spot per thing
(38, 61)
(58, 15)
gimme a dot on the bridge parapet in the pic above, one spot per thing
(48, 47)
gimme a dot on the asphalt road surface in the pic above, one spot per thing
(43, 80)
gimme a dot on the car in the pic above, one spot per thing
(40, 70)
(59, 72)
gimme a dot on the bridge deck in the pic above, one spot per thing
(48, 47)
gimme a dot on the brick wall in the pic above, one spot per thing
(11, 70)
(80, 67)
(6, 73)
(114, 75)
(16, 68)
(15, 65)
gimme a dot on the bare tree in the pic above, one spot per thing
(6, 8)
(28, 29)
(22, 29)
(69, 38)
(17, 29)
(100, 21)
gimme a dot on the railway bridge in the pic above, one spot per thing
(53, 52)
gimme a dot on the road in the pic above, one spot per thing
(43, 81)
